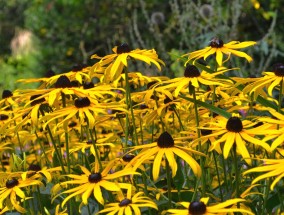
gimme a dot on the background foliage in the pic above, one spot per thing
(39, 35)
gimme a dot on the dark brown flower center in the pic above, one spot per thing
(12, 183)
(88, 85)
(216, 43)
(125, 202)
(191, 71)
(35, 100)
(34, 167)
(279, 69)
(82, 102)
(128, 157)
(95, 177)
(75, 83)
(123, 48)
(167, 100)
(205, 132)
(197, 208)
(150, 84)
(6, 94)
(72, 124)
(62, 82)
(165, 140)
(234, 124)
(258, 124)
(3, 117)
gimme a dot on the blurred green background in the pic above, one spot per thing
(42, 35)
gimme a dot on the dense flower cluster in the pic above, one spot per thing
(102, 139)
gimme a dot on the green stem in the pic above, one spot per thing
(218, 176)
(96, 148)
(129, 105)
(66, 135)
(266, 193)
(236, 172)
(169, 183)
(39, 200)
(193, 198)
(161, 120)
(180, 122)
(67, 151)
(203, 176)
(54, 145)
(224, 170)
(42, 149)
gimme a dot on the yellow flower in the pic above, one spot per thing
(88, 183)
(7, 98)
(195, 78)
(200, 207)
(234, 131)
(13, 188)
(270, 168)
(129, 205)
(217, 46)
(86, 108)
(165, 146)
(116, 62)
(270, 81)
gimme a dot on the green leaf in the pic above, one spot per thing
(209, 107)
(267, 103)
(272, 202)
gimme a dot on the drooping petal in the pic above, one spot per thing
(228, 144)
(191, 162)
(242, 149)
(87, 194)
(157, 164)
(172, 161)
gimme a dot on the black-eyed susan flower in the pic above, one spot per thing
(15, 187)
(269, 81)
(93, 182)
(201, 208)
(234, 131)
(165, 146)
(129, 205)
(217, 46)
(270, 168)
(195, 78)
(84, 107)
(116, 62)
(7, 98)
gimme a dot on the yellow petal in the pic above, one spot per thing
(87, 194)
(228, 144)
(157, 164)
(219, 57)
